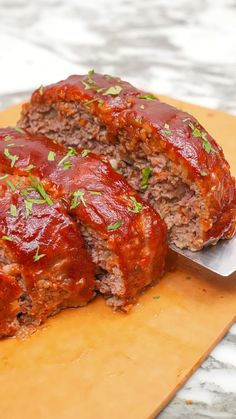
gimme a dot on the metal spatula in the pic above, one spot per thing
(220, 259)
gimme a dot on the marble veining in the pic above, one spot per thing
(184, 49)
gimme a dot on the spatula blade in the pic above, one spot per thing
(220, 259)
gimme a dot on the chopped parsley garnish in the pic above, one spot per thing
(203, 173)
(37, 256)
(85, 152)
(91, 72)
(8, 238)
(3, 177)
(77, 197)
(100, 101)
(166, 129)
(12, 158)
(71, 152)
(67, 165)
(201, 134)
(91, 86)
(38, 186)
(29, 167)
(29, 204)
(36, 201)
(113, 90)
(142, 106)
(17, 129)
(8, 138)
(149, 96)
(138, 120)
(24, 192)
(156, 297)
(115, 226)
(51, 155)
(137, 206)
(13, 210)
(41, 90)
(28, 208)
(207, 146)
(146, 172)
(10, 184)
(95, 193)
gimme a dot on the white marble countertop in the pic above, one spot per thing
(184, 49)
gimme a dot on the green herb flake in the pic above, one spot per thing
(90, 101)
(41, 90)
(8, 138)
(51, 155)
(166, 130)
(91, 86)
(137, 206)
(29, 167)
(100, 102)
(17, 129)
(13, 210)
(24, 192)
(36, 201)
(138, 120)
(148, 96)
(3, 177)
(142, 106)
(77, 197)
(115, 226)
(37, 256)
(85, 152)
(91, 73)
(203, 173)
(146, 172)
(8, 238)
(10, 185)
(201, 134)
(67, 165)
(96, 99)
(71, 152)
(207, 146)
(38, 186)
(95, 193)
(156, 297)
(28, 208)
(12, 158)
(113, 90)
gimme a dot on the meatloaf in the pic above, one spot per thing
(44, 266)
(125, 237)
(165, 153)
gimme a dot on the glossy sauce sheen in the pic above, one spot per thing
(180, 140)
(139, 242)
(50, 232)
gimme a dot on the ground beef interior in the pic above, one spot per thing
(178, 203)
(109, 278)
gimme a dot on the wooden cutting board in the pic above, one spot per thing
(93, 363)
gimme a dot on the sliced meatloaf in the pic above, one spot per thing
(44, 266)
(125, 237)
(165, 153)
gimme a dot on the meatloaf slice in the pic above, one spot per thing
(165, 153)
(125, 237)
(44, 266)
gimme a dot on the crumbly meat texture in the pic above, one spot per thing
(125, 237)
(44, 266)
(187, 177)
